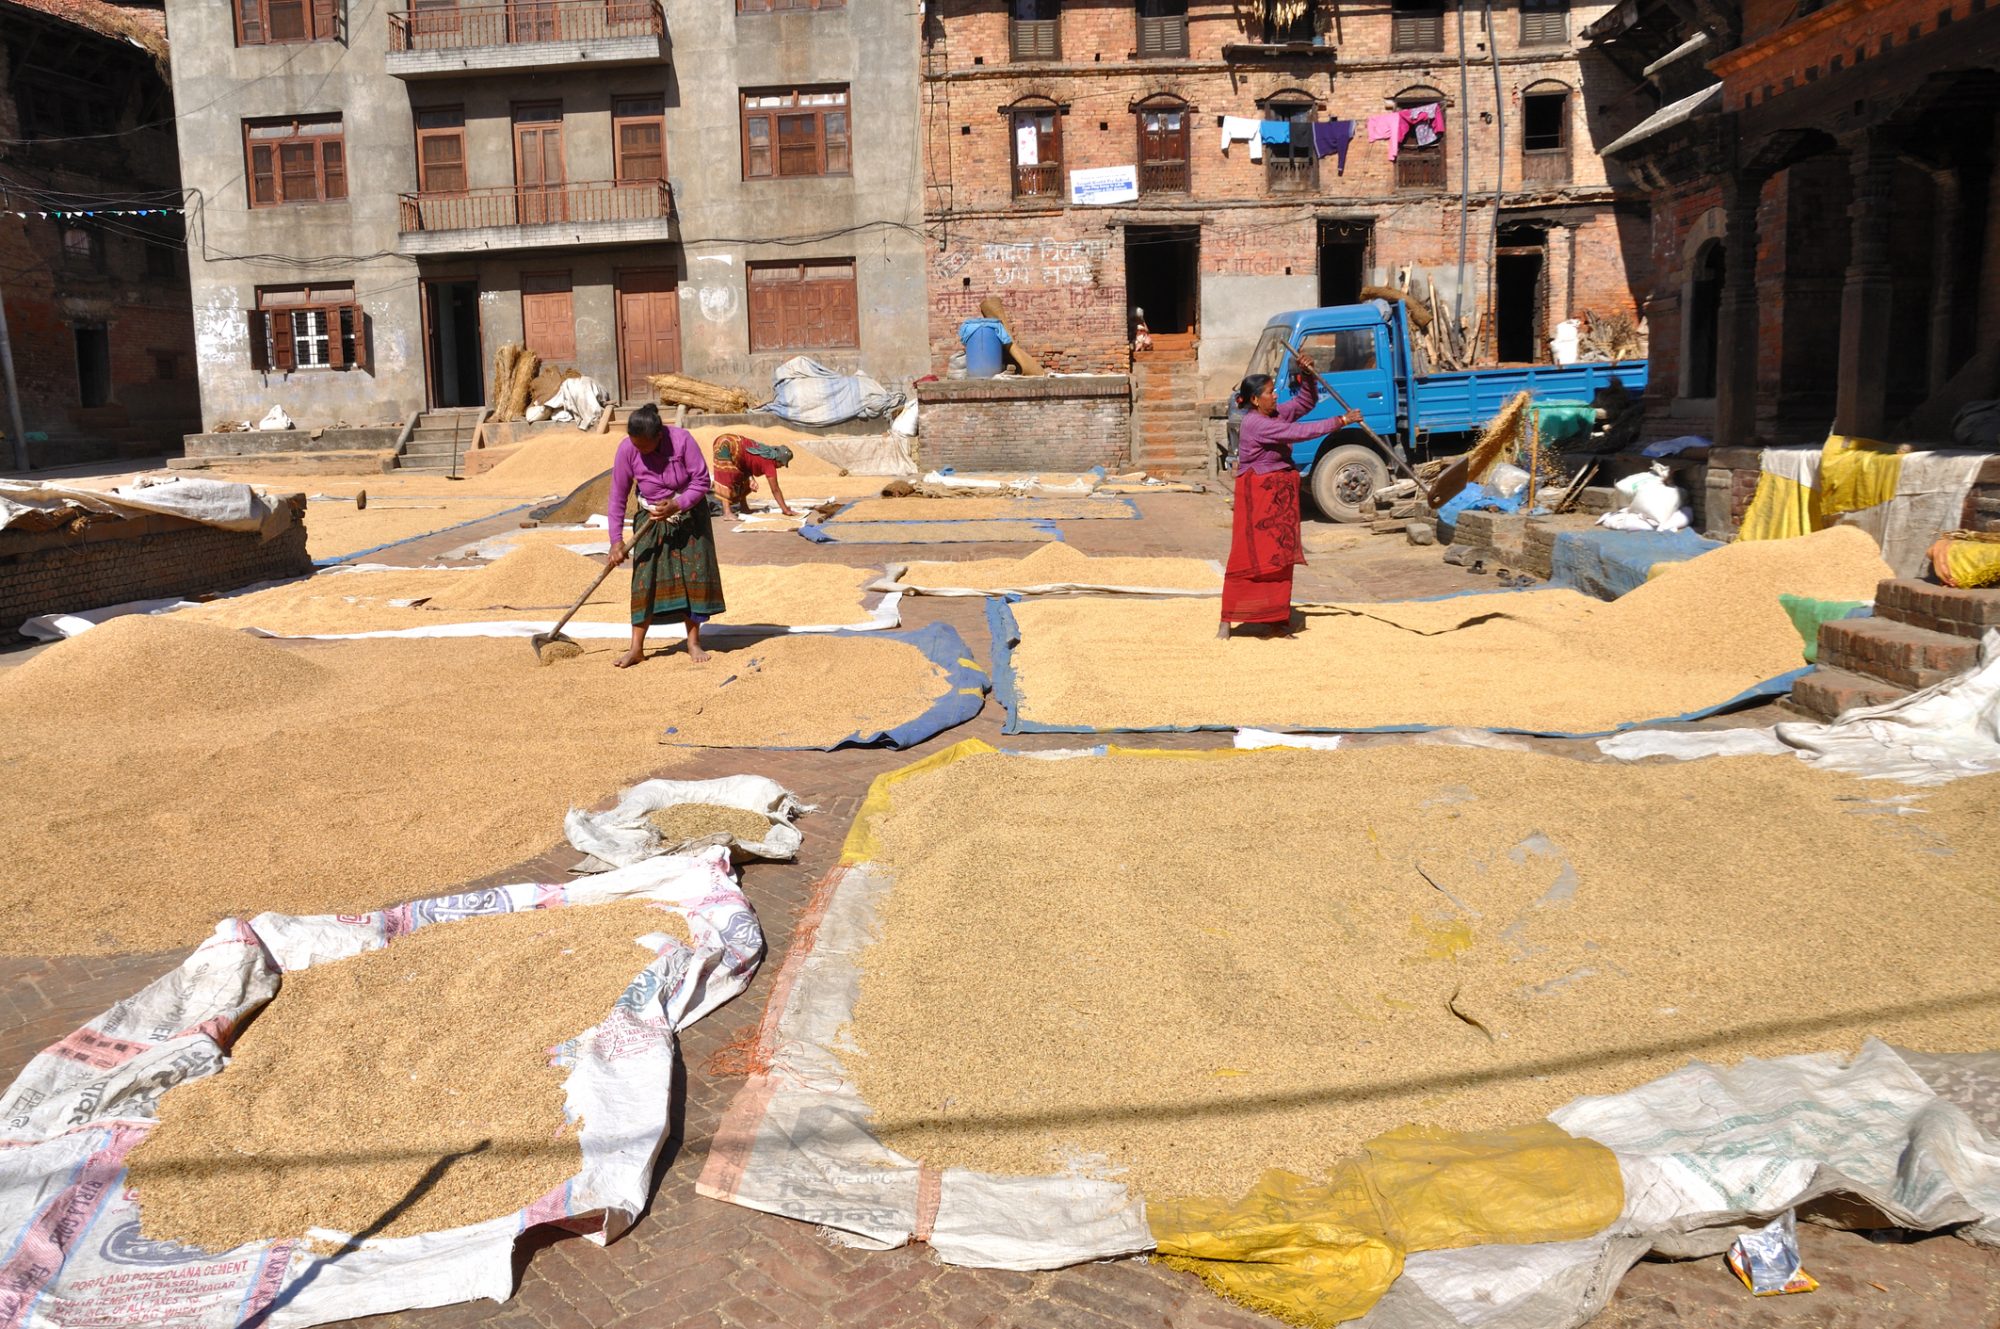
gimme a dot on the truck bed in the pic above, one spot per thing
(1466, 399)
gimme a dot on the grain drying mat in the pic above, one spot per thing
(1702, 637)
(1037, 531)
(961, 692)
(1056, 569)
(979, 1133)
(988, 509)
(71, 1232)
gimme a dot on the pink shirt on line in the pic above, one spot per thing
(674, 470)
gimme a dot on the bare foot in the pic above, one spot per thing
(1222, 633)
(696, 655)
(627, 661)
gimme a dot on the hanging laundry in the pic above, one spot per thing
(1331, 139)
(1275, 131)
(1389, 126)
(1302, 138)
(1241, 128)
(1423, 123)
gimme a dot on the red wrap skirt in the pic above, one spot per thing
(1263, 549)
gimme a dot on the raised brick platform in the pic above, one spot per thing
(1920, 636)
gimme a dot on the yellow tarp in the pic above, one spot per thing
(1320, 1253)
(1849, 475)
(1857, 473)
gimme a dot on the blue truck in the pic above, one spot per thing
(1364, 353)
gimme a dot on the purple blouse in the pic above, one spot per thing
(673, 470)
(1263, 442)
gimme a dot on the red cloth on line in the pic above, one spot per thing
(1263, 549)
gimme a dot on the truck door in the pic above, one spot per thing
(1355, 363)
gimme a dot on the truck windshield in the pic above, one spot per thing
(1270, 352)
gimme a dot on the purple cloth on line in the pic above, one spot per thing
(1263, 442)
(1331, 139)
(672, 470)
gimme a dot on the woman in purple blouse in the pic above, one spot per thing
(675, 578)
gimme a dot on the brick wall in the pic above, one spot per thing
(142, 558)
(1022, 424)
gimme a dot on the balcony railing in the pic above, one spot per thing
(460, 27)
(536, 206)
(1290, 175)
(1421, 168)
(1163, 177)
(1043, 181)
(1545, 166)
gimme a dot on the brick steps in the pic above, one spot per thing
(1902, 654)
(1920, 636)
(1827, 692)
(1169, 420)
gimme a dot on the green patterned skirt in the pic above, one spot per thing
(675, 578)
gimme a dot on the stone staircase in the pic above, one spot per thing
(1921, 634)
(1169, 417)
(437, 438)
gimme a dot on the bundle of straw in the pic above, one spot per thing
(515, 407)
(680, 390)
(1501, 438)
(504, 357)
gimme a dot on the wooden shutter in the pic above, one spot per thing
(289, 20)
(333, 168)
(440, 152)
(325, 20)
(639, 138)
(260, 340)
(766, 331)
(281, 341)
(1162, 36)
(249, 23)
(1544, 24)
(362, 360)
(798, 144)
(757, 147)
(1418, 30)
(336, 324)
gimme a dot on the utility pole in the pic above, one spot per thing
(13, 392)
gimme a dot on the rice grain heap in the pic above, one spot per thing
(164, 775)
(1448, 935)
(1061, 564)
(683, 822)
(1551, 660)
(364, 1074)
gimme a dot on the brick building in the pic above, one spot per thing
(91, 244)
(1018, 95)
(1826, 218)
(631, 187)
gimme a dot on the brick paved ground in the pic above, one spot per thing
(699, 1264)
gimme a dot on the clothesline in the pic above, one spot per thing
(1331, 138)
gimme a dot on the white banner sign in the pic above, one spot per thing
(1104, 184)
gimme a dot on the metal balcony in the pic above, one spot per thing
(436, 41)
(537, 217)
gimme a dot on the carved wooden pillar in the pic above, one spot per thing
(1861, 401)
(1944, 277)
(1736, 331)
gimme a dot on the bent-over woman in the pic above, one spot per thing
(675, 578)
(1264, 541)
(739, 463)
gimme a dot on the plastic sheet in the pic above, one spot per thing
(892, 580)
(623, 836)
(936, 532)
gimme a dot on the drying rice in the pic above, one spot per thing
(936, 532)
(1546, 660)
(800, 595)
(1252, 991)
(365, 1074)
(985, 509)
(554, 462)
(340, 530)
(163, 775)
(692, 821)
(1058, 564)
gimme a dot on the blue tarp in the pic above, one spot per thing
(1476, 497)
(943, 647)
(1607, 564)
(1006, 631)
(884, 532)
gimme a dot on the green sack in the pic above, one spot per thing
(1807, 614)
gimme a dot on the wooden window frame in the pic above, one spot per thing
(426, 135)
(1282, 174)
(1550, 164)
(1413, 161)
(1165, 106)
(1048, 149)
(1544, 22)
(321, 20)
(1036, 40)
(792, 106)
(787, 6)
(655, 115)
(771, 281)
(275, 336)
(1415, 26)
(325, 179)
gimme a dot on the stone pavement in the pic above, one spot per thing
(692, 1263)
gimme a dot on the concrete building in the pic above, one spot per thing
(90, 233)
(387, 197)
(1826, 219)
(1024, 99)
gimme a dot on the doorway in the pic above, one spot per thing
(538, 163)
(649, 328)
(1518, 302)
(451, 344)
(1162, 264)
(93, 366)
(1704, 322)
(548, 316)
(1343, 261)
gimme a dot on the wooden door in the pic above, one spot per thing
(548, 318)
(538, 164)
(649, 328)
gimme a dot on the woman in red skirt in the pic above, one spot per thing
(1264, 545)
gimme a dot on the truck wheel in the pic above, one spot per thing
(1344, 481)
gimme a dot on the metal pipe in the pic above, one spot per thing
(1464, 174)
(1499, 178)
(13, 391)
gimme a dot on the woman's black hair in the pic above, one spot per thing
(1251, 388)
(645, 422)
